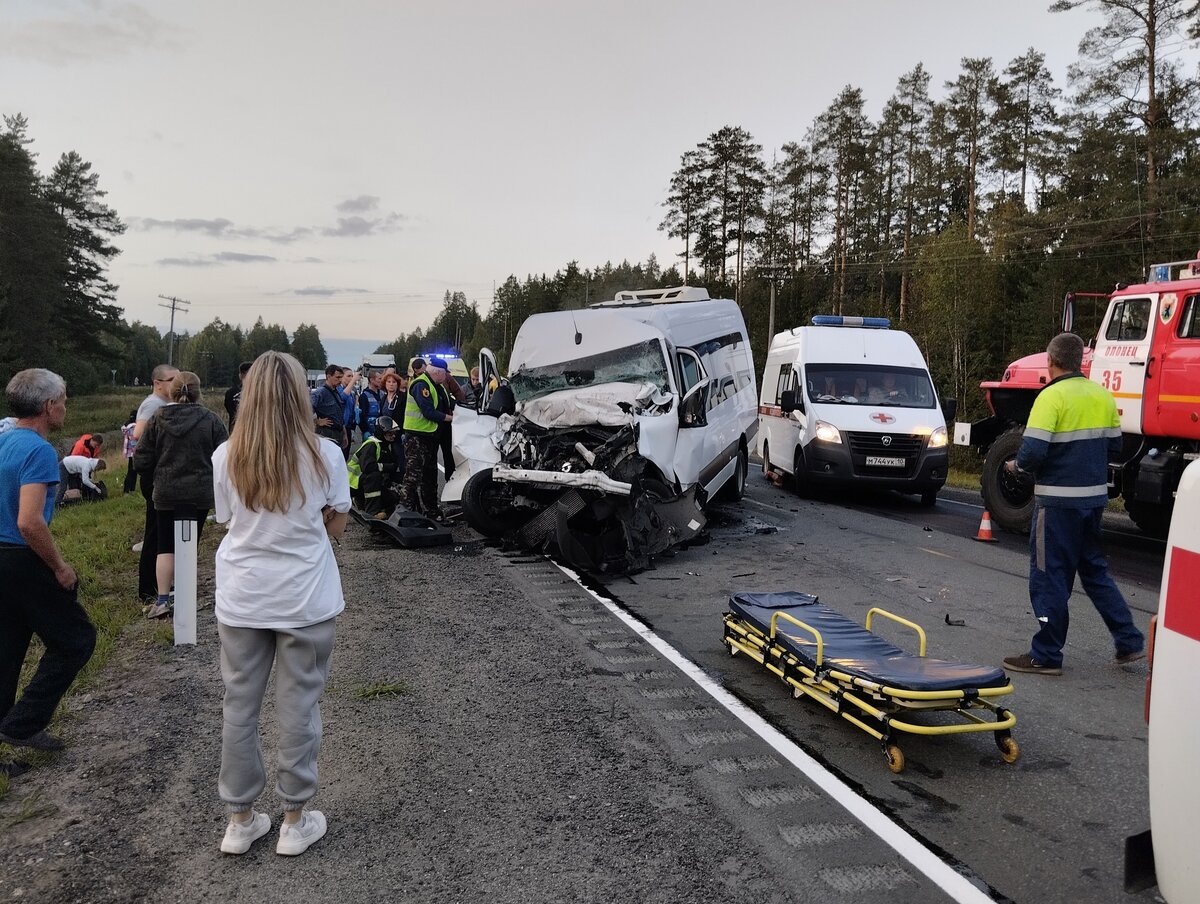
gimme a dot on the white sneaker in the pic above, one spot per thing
(137, 547)
(239, 836)
(297, 839)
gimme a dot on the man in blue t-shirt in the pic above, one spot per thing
(41, 589)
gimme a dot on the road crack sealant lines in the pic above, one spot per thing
(955, 885)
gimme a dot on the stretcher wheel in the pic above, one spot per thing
(895, 758)
(1009, 749)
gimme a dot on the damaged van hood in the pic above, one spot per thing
(604, 405)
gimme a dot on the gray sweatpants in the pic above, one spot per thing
(301, 657)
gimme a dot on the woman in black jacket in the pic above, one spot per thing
(177, 446)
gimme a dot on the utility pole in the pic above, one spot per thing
(775, 273)
(176, 303)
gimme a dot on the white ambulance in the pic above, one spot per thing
(849, 400)
(1168, 851)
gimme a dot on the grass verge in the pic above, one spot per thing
(379, 690)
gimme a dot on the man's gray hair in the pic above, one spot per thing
(1065, 351)
(30, 389)
(164, 372)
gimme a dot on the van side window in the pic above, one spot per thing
(689, 370)
(1129, 320)
(784, 383)
(1189, 320)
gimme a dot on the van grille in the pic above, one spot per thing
(906, 447)
(902, 445)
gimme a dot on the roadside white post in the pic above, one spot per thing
(186, 533)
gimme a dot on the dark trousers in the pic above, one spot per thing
(446, 442)
(34, 603)
(1064, 542)
(130, 478)
(420, 472)
(147, 561)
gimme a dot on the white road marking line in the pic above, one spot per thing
(934, 552)
(957, 886)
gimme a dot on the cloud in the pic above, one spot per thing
(223, 228)
(216, 260)
(356, 227)
(326, 291)
(235, 257)
(217, 227)
(84, 30)
(361, 204)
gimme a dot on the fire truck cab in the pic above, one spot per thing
(1147, 354)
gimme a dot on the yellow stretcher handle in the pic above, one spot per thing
(795, 621)
(903, 621)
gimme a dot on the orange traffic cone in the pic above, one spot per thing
(985, 529)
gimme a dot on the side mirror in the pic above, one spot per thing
(949, 409)
(693, 410)
(789, 401)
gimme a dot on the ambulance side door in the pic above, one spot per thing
(1122, 351)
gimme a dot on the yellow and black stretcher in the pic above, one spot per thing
(862, 677)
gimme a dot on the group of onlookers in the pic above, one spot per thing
(278, 592)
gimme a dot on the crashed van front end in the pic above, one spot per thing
(584, 469)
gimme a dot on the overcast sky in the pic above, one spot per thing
(345, 163)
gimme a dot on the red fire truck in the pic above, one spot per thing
(1147, 353)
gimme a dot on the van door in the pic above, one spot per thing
(1173, 369)
(693, 446)
(1122, 351)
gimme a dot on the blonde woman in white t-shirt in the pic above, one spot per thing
(284, 492)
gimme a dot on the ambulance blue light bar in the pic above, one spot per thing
(873, 323)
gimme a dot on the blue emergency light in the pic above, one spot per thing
(873, 323)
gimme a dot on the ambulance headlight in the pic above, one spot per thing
(938, 438)
(827, 433)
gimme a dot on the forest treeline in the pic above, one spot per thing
(964, 211)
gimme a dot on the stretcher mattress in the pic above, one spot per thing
(851, 648)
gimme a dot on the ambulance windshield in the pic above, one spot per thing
(869, 384)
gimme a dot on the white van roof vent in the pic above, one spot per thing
(657, 296)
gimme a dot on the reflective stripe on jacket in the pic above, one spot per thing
(420, 409)
(1072, 430)
(369, 452)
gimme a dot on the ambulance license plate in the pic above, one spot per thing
(880, 461)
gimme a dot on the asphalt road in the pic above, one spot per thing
(1049, 827)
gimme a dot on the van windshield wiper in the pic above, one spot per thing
(830, 398)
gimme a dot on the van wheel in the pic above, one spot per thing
(800, 482)
(929, 498)
(766, 459)
(735, 487)
(488, 505)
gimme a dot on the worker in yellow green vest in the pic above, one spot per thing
(372, 470)
(421, 420)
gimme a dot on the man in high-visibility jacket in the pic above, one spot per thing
(421, 420)
(372, 470)
(1072, 430)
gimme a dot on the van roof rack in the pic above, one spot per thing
(874, 323)
(655, 296)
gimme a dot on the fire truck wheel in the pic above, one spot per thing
(1153, 519)
(1007, 497)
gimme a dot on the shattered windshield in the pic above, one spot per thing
(640, 363)
(869, 384)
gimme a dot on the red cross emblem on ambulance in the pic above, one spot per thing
(880, 418)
